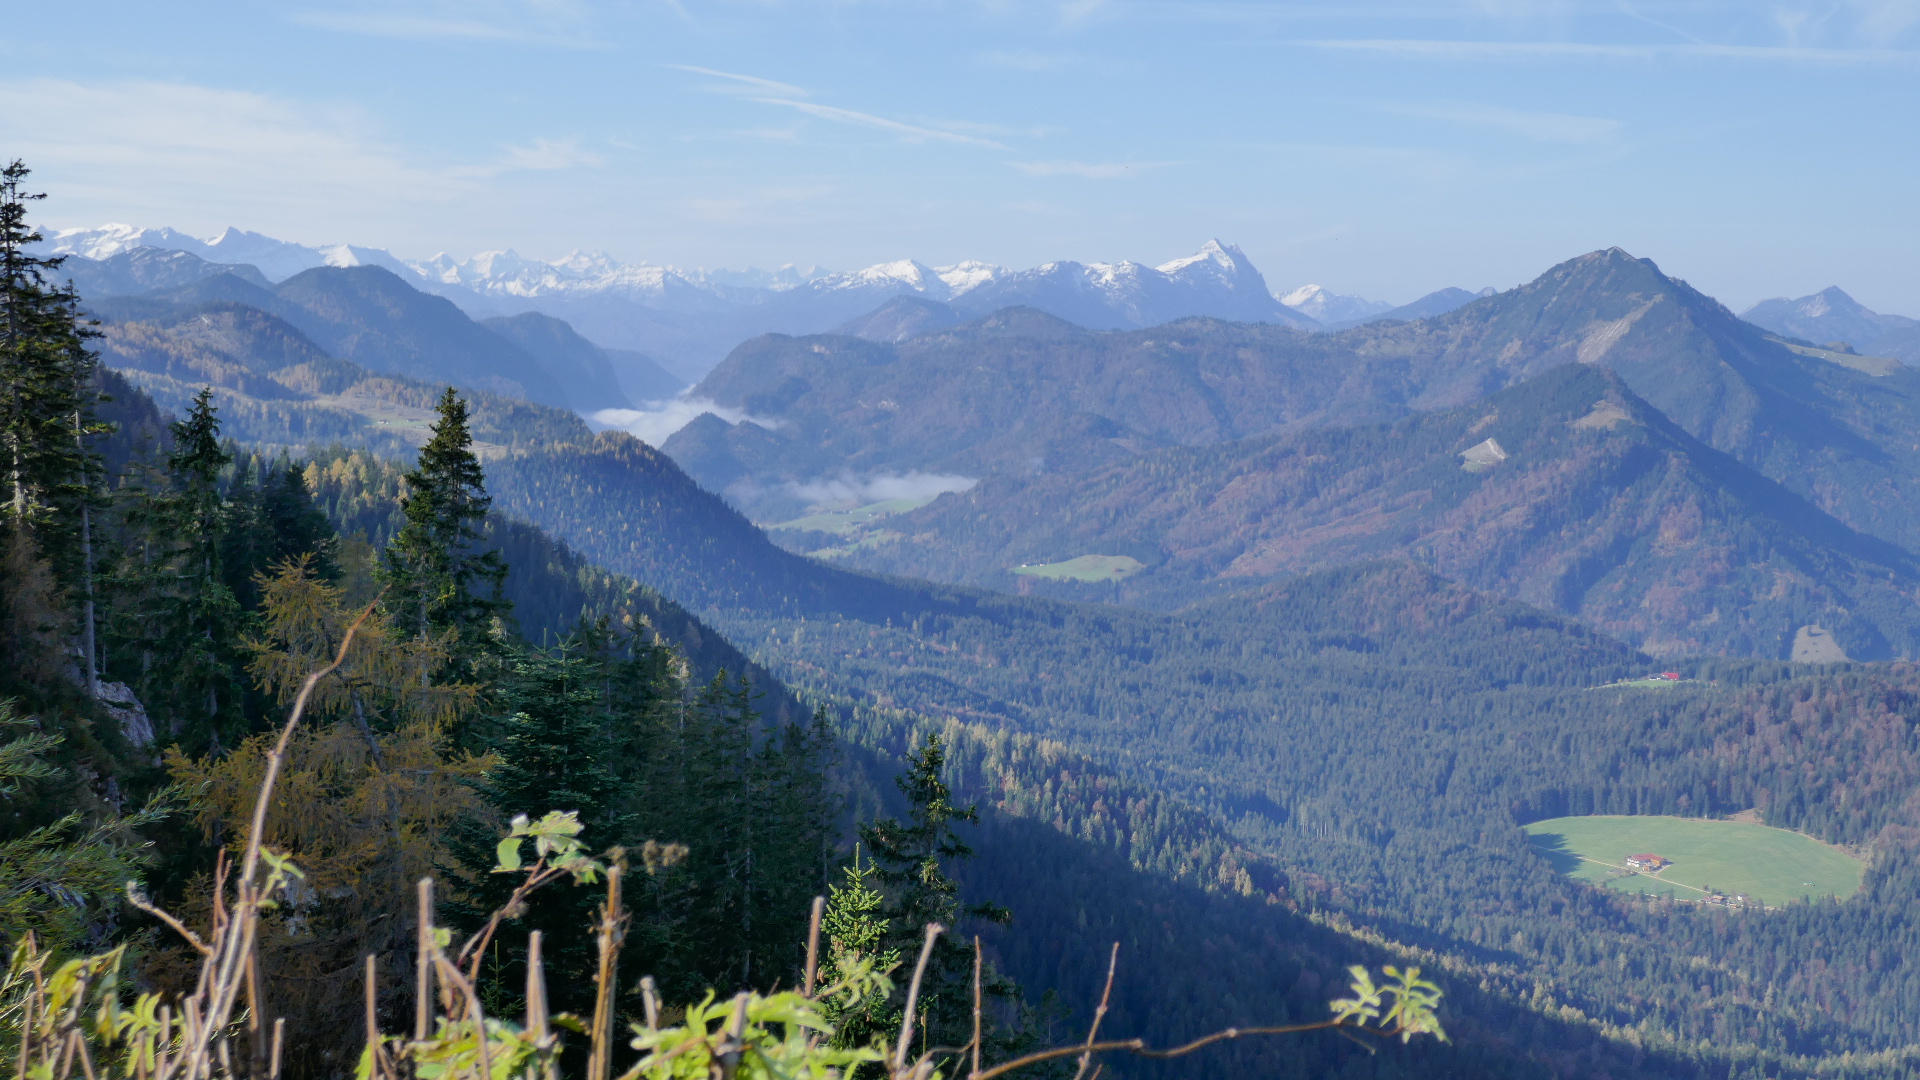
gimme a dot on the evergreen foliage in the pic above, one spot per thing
(549, 753)
(911, 858)
(60, 881)
(438, 574)
(605, 726)
(48, 471)
(856, 931)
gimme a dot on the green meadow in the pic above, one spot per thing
(1774, 866)
(1084, 568)
(844, 522)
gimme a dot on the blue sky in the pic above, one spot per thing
(1756, 149)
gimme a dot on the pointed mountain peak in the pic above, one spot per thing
(1613, 271)
(1831, 301)
(1225, 256)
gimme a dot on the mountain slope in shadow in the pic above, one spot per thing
(1567, 491)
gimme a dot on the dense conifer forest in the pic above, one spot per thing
(1250, 794)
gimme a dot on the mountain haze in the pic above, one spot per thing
(688, 320)
(1830, 315)
(1017, 393)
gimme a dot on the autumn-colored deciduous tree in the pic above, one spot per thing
(364, 803)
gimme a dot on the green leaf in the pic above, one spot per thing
(507, 856)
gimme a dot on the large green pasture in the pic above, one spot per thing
(1084, 568)
(1774, 866)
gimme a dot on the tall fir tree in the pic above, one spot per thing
(176, 629)
(439, 579)
(48, 472)
(552, 755)
(911, 860)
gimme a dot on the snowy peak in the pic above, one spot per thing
(690, 318)
(277, 259)
(112, 239)
(969, 275)
(1331, 307)
(1225, 258)
(780, 279)
(910, 273)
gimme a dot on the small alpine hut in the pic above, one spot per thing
(1649, 864)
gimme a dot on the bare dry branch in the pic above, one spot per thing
(975, 1044)
(934, 930)
(813, 944)
(141, 902)
(650, 1000)
(423, 964)
(1099, 1014)
(613, 919)
(1139, 1046)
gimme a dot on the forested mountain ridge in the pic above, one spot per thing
(582, 369)
(276, 388)
(1019, 393)
(553, 590)
(1566, 491)
(1847, 439)
(366, 315)
(369, 316)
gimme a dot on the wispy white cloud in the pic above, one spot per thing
(910, 132)
(1538, 126)
(747, 82)
(542, 22)
(544, 155)
(1089, 170)
(551, 154)
(1884, 21)
(1553, 50)
(176, 149)
(658, 420)
(849, 489)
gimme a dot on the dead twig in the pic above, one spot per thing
(934, 930)
(813, 945)
(1140, 1047)
(975, 1044)
(1099, 1014)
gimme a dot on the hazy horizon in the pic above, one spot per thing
(1371, 148)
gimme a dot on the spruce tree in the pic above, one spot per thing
(47, 470)
(911, 858)
(438, 576)
(552, 756)
(857, 931)
(271, 518)
(176, 629)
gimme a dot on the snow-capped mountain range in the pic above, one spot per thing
(690, 319)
